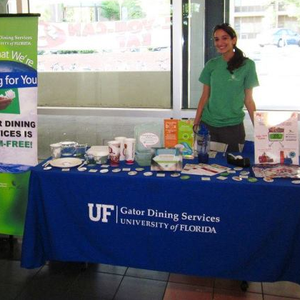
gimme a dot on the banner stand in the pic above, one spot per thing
(18, 117)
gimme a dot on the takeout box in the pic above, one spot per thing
(166, 159)
(99, 154)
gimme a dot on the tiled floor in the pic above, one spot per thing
(75, 281)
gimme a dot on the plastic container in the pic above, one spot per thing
(143, 158)
(148, 136)
(68, 148)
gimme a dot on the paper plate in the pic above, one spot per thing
(67, 162)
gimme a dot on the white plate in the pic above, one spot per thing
(67, 162)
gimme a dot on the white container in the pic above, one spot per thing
(101, 158)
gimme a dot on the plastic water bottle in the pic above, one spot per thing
(203, 143)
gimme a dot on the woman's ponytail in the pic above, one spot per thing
(237, 60)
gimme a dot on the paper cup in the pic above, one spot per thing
(121, 139)
(114, 152)
(129, 150)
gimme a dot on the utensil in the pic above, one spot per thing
(84, 163)
(46, 163)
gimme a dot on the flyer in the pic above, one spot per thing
(276, 138)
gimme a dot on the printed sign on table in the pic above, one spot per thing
(18, 89)
(276, 138)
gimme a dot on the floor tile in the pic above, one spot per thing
(221, 294)
(140, 289)
(12, 273)
(148, 274)
(51, 282)
(89, 285)
(229, 284)
(282, 288)
(271, 297)
(192, 280)
(178, 291)
(104, 268)
(10, 291)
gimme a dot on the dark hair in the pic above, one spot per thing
(238, 58)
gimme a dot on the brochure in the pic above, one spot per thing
(276, 171)
(204, 169)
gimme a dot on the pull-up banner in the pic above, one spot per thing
(18, 89)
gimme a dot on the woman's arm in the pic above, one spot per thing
(250, 104)
(203, 100)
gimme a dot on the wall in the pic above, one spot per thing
(92, 130)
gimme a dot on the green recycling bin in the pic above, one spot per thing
(14, 182)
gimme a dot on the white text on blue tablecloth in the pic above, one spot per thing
(153, 218)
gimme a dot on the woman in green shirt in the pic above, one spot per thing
(228, 81)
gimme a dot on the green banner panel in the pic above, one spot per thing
(13, 202)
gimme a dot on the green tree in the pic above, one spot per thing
(134, 9)
(111, 9)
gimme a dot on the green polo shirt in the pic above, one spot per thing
(225, 106)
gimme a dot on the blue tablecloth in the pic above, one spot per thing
(227, 229)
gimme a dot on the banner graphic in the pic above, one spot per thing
(18, 89)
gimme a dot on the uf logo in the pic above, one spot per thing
(102, 212)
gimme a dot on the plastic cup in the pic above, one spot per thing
(121, 139)
(55, 150)
(114, 152)
(80, 150)
(129, 151)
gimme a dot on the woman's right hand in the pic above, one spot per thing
(4, 102)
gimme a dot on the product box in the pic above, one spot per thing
(179, 134)
(166, 159)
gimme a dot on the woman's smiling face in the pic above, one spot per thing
(224, 43)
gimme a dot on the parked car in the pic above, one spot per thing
(279, 36)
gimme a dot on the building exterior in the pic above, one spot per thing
(251, 17)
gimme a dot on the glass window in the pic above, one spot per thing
(108, 53)
(272, 39)
(269, 33)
